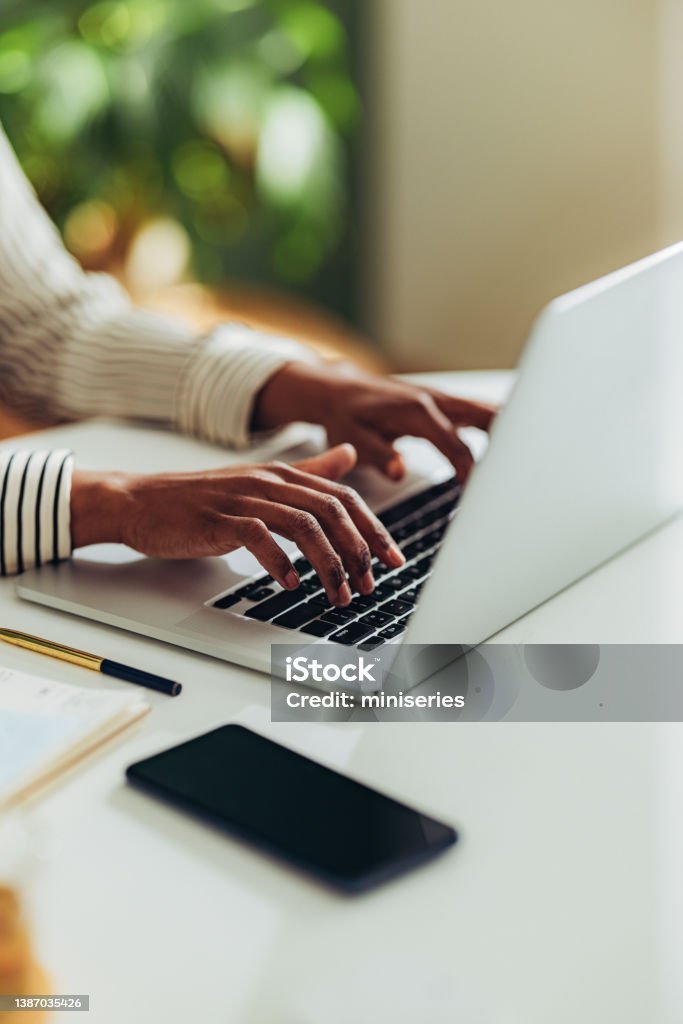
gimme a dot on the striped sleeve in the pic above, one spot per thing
(73, 345)
(35, 501)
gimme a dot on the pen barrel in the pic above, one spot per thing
(135, 675)
(52, 649)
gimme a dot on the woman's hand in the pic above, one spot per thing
(371, 412)
(190, 515)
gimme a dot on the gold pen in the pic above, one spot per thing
(91, 661)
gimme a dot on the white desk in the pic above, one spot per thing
(561, 903)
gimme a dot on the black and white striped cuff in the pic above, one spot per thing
(216, 399)
(35, 508)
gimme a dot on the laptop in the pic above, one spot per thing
(585, 458)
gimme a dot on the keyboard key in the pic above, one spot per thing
(362, 604)
(275, 605)
(377, 619)
(245, 591)
(319, 628)
(412, 572)
(303, 566)
(321, 600)
(418, 546)
(410, 596)
(255, 587)
(338, 616)
(297, 616)
(404, 532)
(388, 588)
(393, 515)
(448, 490)
(402, 511)
(394, 583)
(425, 564)
(380, 570)
(228, 601)
(352, 634)
(450, 484)
(254, 591)
(448, 500)
(440, 529)
(392, 631)
(261, 594)
(432, 539)
(431, 517)
(311, 585)
(372, 644)
(397, 608)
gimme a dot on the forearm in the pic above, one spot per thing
(73, 345)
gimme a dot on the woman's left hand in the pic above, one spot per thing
(371, 412)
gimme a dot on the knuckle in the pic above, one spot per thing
(211, 518)
(214, 531)
(333, 508)
(278, 467)
(383, 536)
(347, 496)
(335, 571)
(364, 556)
(253, 530)
(246, 483)
(304, 523)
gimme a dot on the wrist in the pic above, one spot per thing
(295, 393)
(98, 507)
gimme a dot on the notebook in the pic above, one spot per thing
(47, 727)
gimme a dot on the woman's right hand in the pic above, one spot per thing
(192, 515)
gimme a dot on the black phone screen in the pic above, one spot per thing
(343, 831)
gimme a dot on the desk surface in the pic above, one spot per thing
(562, 901)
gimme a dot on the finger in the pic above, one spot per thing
(339, 528)
(333, 464)
(375, 450)
(253, 534)
(433, 424)
(379, 539)
(463, 412)
(305, 530)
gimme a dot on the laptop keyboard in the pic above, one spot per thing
(418, 526)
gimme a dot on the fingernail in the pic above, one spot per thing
(367, 583)
(395, 555)
(291, 580)
(394, 468)
(344, 594)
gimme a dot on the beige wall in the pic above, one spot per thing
(671, 120)
(514, 148)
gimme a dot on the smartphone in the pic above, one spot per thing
(345, 833)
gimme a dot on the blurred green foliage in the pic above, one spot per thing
(234, 117)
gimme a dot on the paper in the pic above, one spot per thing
(27, 740)
(46, 726)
